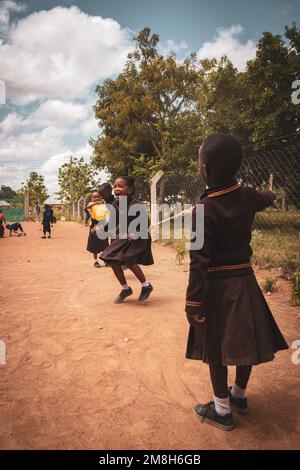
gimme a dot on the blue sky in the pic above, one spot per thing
(52, 54)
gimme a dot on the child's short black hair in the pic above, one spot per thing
(129, 181)
(47, 206)
(222, 155)
(105, 188)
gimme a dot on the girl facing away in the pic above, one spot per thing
(230, 321)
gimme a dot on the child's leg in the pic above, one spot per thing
(146, 286)
(241, 380)
(137, 272)
(126, 290)
(21, 228)
(118, 272)
(95, 260)
(219, 376)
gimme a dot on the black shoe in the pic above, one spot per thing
(208, 414)
(145, 292)
(44, 236)
(240, 405)
(49, 236)
(97, 264)
(122, 296)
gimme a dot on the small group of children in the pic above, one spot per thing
(122, 252)
(230, 321)
(98, 212)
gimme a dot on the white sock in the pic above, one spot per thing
(125, 286)
(238, 392)
(145, 284)
(222, 406)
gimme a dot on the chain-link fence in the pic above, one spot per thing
(278, 161)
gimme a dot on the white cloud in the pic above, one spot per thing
(227, 43)
(63, 115)
(5, 7)
(15, 174)
(90, 127)
(60, 53)
(30, 146)
(11, 123)
(171, 46)
(58, 113)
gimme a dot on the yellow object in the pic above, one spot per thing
(99, 212)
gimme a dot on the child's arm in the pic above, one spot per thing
(90, 204)
(199, 261)
(260, 199)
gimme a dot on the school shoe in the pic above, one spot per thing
(123, 295)
(49, 236)
(145, 292)
(240, 405)
(97, 264)
(44, 236)
(208, 414)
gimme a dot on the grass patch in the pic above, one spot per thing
(276, 249)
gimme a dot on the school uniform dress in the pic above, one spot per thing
(239, 327)
(99, 215)
(124, 250)
(47, 220)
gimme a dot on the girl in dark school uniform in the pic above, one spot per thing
(124, 250)
(230, 321)
(47, 221)
(99, 215)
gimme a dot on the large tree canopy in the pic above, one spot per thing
(156, 112)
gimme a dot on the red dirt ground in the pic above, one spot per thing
(83, 373)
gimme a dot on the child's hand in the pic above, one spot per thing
(195, 320)
(93, 230)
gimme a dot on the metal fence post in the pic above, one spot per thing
(154, 206)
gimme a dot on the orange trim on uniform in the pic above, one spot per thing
(192, 303)
(224, 191)
(232, 266)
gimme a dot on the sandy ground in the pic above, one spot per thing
(83, 373)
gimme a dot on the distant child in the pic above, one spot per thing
(47, 221)
(124, 250)
(105, 192)
(16, 228)
(230, 321)
(2, 222)
(37, 209)
(99, 214)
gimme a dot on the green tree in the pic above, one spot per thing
(36, 186)
(268, 111)
(147, 113)
(76, 179)
(6, 192)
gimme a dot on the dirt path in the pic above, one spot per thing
(84, 373)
